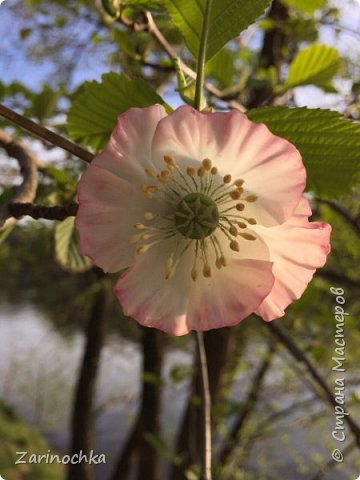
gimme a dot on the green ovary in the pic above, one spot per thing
(196, 216)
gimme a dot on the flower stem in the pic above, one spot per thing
(206, 410)
(200, 69)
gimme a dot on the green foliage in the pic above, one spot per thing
(94, 111)
(328, 143)
(66, 251)
(305, 6)
(16, 435)
(45, 103)
(227, 20)
(221, 67)
(315, 65)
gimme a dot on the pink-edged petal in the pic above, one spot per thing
(178, 305)
(271, 167)
(108, 209)
(297, 249)
(128, 153)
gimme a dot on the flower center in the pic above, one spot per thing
(196, 216)
(204, 214)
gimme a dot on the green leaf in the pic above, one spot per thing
(44, 104)
(155, 5)
(66, 251)
(228, 19)
(305, 6)
(315, 65)
(221, 67)
(329, 145)
(94, 112)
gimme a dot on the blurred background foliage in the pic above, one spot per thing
(270, 414)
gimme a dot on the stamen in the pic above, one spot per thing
(207, 272)
(251, 198)
(234, 245)
(214, 171)
(170, 161)
(247, 236)
(190, 171)
(227, 179)
(148, 216)
(239, 182)
(207, 164)
(240, 207)
(150, 172)
(252, 221)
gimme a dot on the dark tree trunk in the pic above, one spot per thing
(82, 422)
(139, 454)
(189, 444)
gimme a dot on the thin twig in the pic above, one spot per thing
(45, 134)
(249, 405)
(343, 212)
(171, 53)
(206, 409)
(300, 356)
(18, 210)
(26, 192)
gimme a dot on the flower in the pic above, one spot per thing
(207, 210)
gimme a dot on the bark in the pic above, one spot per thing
(189, 443)
(82, 423)
(138, 450)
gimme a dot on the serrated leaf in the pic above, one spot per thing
(94, 111)
(221, 67)
(45, 103)
(228, 18)
(315, 65)
(66, 251)
(329, 145)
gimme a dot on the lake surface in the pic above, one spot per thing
(38, 368)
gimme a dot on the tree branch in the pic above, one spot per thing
(300, 356)
(45, 134)
(26, 192)
(249, 405)
(18, 210)
(343, 212)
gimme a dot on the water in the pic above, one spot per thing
(38, 369)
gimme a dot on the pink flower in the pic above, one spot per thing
(207, 210)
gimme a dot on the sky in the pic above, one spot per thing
(15, 66)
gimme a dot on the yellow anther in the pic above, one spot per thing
(235, 194)
(240, 207)
(149, 190)
(252, 221)
(214, 170)
(148, 216)
(170, 268)
(163, 176)
(227, 179)
(190, 171)
(169, 160)
(251, 198)
(150, 172)
(233, 230)
(207, 164)
(234, 245)
(143, 249)
(201, 172)
(239, 182)
(136, 238)
(194, 274)
(223, 261)
(207, 272)
(242, 224)
(139, 226)
(248, 236)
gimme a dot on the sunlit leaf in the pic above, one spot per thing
(315, 65)
(329, 145)
(66, 251)
(94, 112)
(228, 19)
